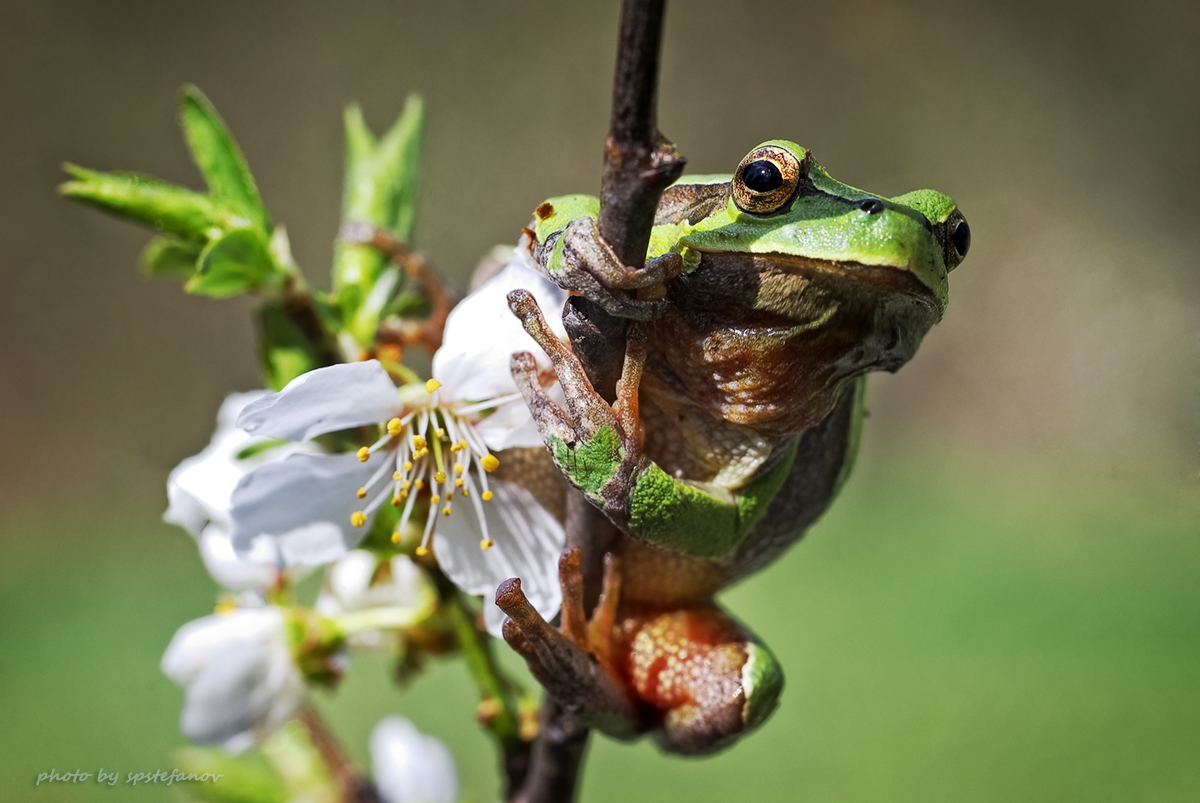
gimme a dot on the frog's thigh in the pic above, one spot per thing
(706, 674)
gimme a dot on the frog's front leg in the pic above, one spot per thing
(578, 259)
(597, 447)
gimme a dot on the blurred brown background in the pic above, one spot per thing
(1065, 130)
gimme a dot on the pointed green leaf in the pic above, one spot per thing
(382, 181)
(399, 165)
(170, 257)
(219, 158)
(148, 200)
(232, 264)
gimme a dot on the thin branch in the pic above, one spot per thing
(639, 164)
(354, 788)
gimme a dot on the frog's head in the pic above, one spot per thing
(779, 201)
(822, 282)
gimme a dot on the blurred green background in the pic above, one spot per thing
(1004, 605)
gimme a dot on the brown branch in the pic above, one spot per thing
(442, 295)
(639, 164)
(354, 788)
(297, 305)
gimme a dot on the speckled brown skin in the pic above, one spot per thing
(744, 358)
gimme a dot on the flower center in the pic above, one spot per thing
(432, 445)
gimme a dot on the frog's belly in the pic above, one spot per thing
(771, 343)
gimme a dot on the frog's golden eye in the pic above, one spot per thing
(767, 179)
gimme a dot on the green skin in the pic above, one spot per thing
(759, 329)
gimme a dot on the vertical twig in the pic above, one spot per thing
(639, 163)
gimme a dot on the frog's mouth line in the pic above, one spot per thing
(898, 280)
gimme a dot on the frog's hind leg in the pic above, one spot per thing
(708, 677)
(579, 678)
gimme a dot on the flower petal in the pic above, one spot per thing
(304, 503)
(258, 568)
(510, 426)
(238, 677)
(410, 767)
(198, 488)
(482, 334)
(324, 400)
(528, 542)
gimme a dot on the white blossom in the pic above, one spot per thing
(199, 491)
(410, 767)
(438, 437)
(240, 683)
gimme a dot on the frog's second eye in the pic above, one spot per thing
(766, 180)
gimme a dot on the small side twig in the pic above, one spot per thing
(442, 295)
(354, 788)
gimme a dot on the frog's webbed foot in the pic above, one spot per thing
(596, 445)
(591, 268)
(574, 662)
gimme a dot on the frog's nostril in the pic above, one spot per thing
(872, 206)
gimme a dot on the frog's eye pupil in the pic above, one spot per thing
(762, 176)
(872, 206)
(961, 238)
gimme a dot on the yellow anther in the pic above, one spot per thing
(439, 476)
(404, 486)
(395, 538)
(486, 544)
(358, 518)
(364, 454)
(396, 500)
(455, 448)
(441, 433)
(424, 452)
(446, 510)
(361, 492)
(462, 444)
(397, 476)
(418, 442)
(433, 500)
(422, 551)
(490, 463)
(458, 469)
(419, 484)
(394, 426)
(465, 492)
(407, 465)
(460, 482)
(487, 496)
(432, 385)
(225, 606)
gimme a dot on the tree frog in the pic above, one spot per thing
(725, 426)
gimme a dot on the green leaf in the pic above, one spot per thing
(219, 158)
(399, 158)
(148, 200)
(381, 185)
(232, 264)
(170, 257)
